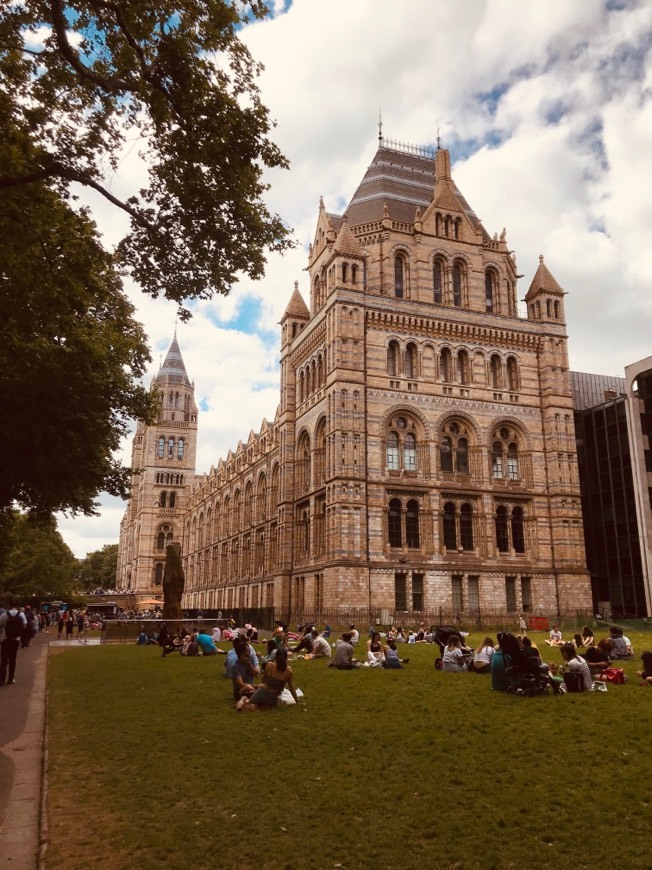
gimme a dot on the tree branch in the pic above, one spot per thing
(61, 32)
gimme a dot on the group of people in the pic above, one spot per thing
(18, 625)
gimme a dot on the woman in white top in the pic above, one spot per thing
(482, 656)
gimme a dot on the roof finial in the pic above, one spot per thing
(296, 286)
(438, 138)
(380, 126)
(541, 258)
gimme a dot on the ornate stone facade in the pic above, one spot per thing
(422, 456)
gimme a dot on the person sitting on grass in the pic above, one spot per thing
(530, 650)
(392, 660)
(355, 635)
(575, 664)
(587, 636)
(500, 679)
(321, 649)
(216, 634)
(598, 657)
(232, 655)
(243, 673)
(482, 657)
(142, 639)
(646, 674)
(555, 636)
(577, 641)
(453, 659)
(621, 644)
(205, 643)
(344, 659)
(375, 655)
(277, 675)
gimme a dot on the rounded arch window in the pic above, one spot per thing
(393, 357)
(401, 444)
(411, 361)
(490, 284)
(458, 277)
(438, 281)
(400, 276)
(454, 448)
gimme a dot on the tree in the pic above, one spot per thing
(70, 354)
(176, 79)
(98, 569)
(37, 563)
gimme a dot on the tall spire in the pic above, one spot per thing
(173, 368)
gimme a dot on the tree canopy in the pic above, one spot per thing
(176, 82)
(98, 569)
(36, 562)
(81, 82)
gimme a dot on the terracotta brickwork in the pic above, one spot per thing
(423, 451)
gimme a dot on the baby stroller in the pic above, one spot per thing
(441, 634)
(530, 676)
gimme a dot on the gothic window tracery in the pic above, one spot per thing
(401, 444)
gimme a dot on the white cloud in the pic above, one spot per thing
(547, 111)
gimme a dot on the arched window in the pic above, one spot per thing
(399, 276)
(394, 523)
(158, 575)
(462, 367)
(495, 368)
(160, 451)
(170, 446)
(457, 285)
(548, 308)
(412, 524)
(438, 281)
(162, 499)
(392, 451)
(411, 361)
(345, 270)
(173, 499)
(450, 532)
(320, 453)
(489, 290)
(518, 534)
(160, 541)
(446, 454)
(446, 366)
(303, 462)
(556, 310)
(454, 448)
(354, 274)
(302, 386)
(180, 448)
(393, 356)
(409, 452)
(466, 526)
(502, 537)
(512, 462)
(512, 374)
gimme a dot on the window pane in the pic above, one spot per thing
(510, 594)
(400, 602)
(437, 281)
(446, 454)
(466, 527)
(457, 285)
(463, 456)
(398, 277)
(392, 451)
(412, 524)
(417, 592)
(502, 540)
(394, 523)
(410, 453)
(497, 459)
(457, 593)
(474, 594)
(518, 536)
(450, 534)
(512, 462)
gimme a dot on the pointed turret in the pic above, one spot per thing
(295, 316)
(545, 298)
(346, 243)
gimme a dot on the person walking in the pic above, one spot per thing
(12, 625)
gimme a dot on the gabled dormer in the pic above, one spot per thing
(545, 298)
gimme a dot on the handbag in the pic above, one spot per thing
(613, 675)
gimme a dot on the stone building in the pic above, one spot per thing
(422, 458)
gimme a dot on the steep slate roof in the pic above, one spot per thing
(405, 181)
(173, 369)
(346, 242)
(543, 280)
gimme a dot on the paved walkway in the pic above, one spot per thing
(22, 734)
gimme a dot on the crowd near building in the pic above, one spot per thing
(423, 455)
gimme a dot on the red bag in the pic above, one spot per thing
(613, 675)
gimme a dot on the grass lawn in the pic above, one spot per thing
(150, 767)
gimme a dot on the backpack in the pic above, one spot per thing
(574, 681)
(13, 626)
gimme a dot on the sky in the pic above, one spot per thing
(546, 109)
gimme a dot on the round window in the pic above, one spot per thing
(504, 432)
(400, 422)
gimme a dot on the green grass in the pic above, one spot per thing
(149, 766)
